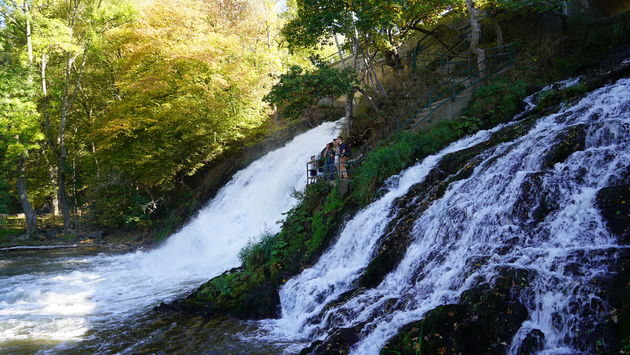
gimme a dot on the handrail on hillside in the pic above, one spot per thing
(440, 51)
(500, 58)
(326, 172)
(497, 59)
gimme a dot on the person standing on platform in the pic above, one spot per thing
(344, 154)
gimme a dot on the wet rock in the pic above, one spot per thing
(435, 334)
(534, 203)
(614, 205)
(511, 277)
(613, 333)
(339, 342)
(569, 142)
(484, 322)
(534, 342)
(234, 294)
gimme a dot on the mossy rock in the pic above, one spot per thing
(569, 142)
(484, 322)
(235, 294)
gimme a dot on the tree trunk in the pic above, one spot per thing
(367, 96)
(31, 219)
(47, 125)
(29, 40)
(499, 32)
(75, 201)
(67, 101)
(62, 154)
(475, 29)
(369, 64)
(349, 109)
(49, 135)
(61, 188)
(343, 60)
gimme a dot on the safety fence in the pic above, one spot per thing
(462, 72)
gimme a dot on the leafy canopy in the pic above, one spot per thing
(299, 89)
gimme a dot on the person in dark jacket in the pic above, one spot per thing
(329, 162)
(312, 170)
(344, 154)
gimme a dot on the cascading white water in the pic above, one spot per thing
(478, 217)
(337, 269)
(64, 300)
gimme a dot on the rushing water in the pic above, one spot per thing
(478, 217)
(48, 298)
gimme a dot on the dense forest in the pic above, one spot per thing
(106, 104)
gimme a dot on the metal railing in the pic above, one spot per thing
(463, 73)
(429, 48)
(316, 171)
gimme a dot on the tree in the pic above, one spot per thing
(190, 82)
(371, 27)
(19, 128)
(299, 89)
(475, 31)
(64, 34)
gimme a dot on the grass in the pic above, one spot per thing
(8, 234)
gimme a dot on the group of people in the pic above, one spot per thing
(330, 162)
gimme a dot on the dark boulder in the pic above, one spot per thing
(534, 342)
(614, 205)
(569, 141)
(339, 342)
(483, 322)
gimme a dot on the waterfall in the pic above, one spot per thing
(482, 216)
(338, 268)
(67, 297)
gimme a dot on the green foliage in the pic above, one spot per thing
(404, 150)
(299, 89)
(497, 101)
(118, 206)
(511, 7)
(555, 96)
(255, 254)
(7, 235)
(152, 91)
(387, 24)
(186, 92)
(5, 197)
(19, 125)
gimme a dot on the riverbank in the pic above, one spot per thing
(13, 238)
